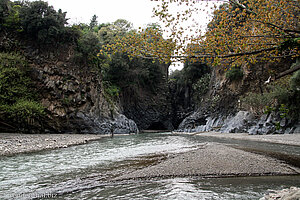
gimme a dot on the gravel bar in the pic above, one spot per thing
(288, 139)
(214, 160)
(12, 143)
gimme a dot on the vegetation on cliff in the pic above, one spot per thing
(39, 36)
(19, 106)
(245, 40)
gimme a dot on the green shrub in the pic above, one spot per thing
(201, 87)
(234, 74)
(113, 91)
(88, 46)
(13, 80)
(24, 111)
(266, 102)
(8, 60)
(13, 85)
(17, 103)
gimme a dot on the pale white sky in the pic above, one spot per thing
(138, 12)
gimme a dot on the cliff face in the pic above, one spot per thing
(222, 109)
(153, 112)
(73, 95)
(150, 109)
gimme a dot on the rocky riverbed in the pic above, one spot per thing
(209, 159)
(12, 143)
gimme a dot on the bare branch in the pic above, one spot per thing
(288, 31)
(264, 36)
(287, 72)
(230, 55)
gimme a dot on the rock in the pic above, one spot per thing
(50, 85)
(292, 193)
(123, 125)
(149, 116)
(288, 131)
(240, 122)
(297, 129)
(120, 125)
(237, 124)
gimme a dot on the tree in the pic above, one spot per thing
(241, 31)
(240, 27)
(122, 25)
(88, 46)
(146, 43)
(41, 21)
(4, 4)
(93, 22)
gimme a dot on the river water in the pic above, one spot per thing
(86, 171)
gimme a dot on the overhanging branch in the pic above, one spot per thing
(229, 55)
(287, 72)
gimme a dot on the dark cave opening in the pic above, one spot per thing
(157, 126)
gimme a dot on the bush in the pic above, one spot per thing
(17, 102)
(24, 112)
(13, 80)
(12, 60)
(112, 90)
(266, 102)
(234, 74)
(201, 87)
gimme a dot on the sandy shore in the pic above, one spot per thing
(214, 160)
(11, 143)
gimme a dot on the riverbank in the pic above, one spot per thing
(214, 160)
(288, 139)
(12, 143)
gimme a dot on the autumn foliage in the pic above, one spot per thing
(250, 32)
(146, 43)
(240, 31)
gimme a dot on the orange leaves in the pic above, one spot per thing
(244, 28)
(147, 43)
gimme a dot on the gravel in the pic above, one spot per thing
(289, 139)
(214, 160)
(209, 160)
(12, 143)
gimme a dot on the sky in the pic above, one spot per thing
(138, 12)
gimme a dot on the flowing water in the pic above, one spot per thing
(86, 171)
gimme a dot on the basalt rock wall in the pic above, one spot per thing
(221, 108)
(73, 95)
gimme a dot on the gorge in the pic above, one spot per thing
(93, 111)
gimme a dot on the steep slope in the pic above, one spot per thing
(72, 94)
(245, 104)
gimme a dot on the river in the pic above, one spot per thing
(85, 171)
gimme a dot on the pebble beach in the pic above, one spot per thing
(13, 143)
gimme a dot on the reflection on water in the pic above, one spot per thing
(84, 172)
